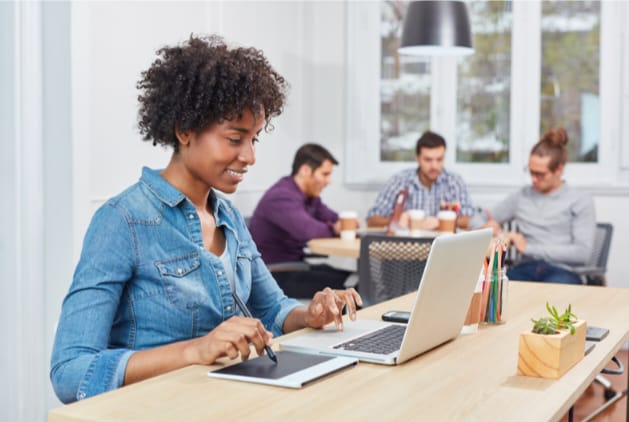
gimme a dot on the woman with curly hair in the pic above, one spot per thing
(556, 223)
(153, 290)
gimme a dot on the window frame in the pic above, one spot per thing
(364, 168)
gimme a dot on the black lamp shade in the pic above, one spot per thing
(436, 28)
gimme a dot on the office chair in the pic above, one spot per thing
(593, 272)
(390, 266)
(611, 395)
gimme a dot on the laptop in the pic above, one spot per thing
(441, 304)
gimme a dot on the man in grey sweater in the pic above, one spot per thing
(555, 223)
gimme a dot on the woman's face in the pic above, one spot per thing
(219, 156)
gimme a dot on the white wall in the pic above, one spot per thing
(94, 150)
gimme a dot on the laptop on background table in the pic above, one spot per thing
(440, 307)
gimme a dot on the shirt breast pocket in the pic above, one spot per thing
(183, 282)
(243, 267)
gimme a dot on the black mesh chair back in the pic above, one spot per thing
(602, 242)
(593, 273)
(390, 266)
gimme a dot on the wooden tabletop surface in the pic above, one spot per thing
(471, 378)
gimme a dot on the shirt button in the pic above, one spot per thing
(191, 216)
(81, 396)
(220, 273)
(228, 308)
(179, 271)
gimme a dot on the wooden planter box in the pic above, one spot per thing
(550, 356)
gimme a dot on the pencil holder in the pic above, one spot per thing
(494, 297)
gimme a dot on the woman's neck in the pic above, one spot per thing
(196, 191)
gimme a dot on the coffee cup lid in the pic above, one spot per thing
(446, 215)
(416, 213)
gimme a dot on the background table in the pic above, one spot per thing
(470, 378)
(335, 246)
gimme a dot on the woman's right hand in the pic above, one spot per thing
(232, 339)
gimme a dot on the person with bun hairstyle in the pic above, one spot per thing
(155, 286)
(555, 222)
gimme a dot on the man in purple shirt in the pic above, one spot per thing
(291, 213)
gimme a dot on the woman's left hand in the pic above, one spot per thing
(327, 305)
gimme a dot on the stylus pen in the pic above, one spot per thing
(245, 311)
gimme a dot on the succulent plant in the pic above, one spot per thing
(555, 322)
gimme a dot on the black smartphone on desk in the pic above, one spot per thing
(396, 316)
(593, 333)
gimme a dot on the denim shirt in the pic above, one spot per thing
(145, 280)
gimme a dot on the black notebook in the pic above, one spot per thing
(292, 369)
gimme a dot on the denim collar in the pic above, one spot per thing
(166, 192)
(172, 197)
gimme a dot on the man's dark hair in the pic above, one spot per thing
(202, 82)
(429, 140)
(313, 155)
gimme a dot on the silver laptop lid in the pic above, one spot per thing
(439, 311)
(445, 291)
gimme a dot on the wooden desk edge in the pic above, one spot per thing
(72, 413)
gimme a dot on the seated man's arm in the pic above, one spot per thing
(504, 211)
(378, 221)
(290, 214)
(323, 213)
(463, 198)
(380, 213)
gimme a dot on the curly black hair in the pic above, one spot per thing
(202, 82)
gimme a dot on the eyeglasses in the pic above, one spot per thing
(536, 174)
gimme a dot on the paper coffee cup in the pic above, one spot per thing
(415, 220)
(447, 221)
(348, 224)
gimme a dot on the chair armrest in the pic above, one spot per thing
(288, 266)
(315, 255)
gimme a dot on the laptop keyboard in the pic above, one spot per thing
(382, 341)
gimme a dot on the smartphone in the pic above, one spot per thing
(396, 316)
(593, 333)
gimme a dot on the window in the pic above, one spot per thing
(570, 74)
(404, 90)
(484, 86)
(536, 65)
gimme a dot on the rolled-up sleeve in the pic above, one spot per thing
(383, 205)
(82, 365)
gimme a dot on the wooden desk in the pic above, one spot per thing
(334, 246)
(471, 378)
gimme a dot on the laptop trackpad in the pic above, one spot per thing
(329, 336)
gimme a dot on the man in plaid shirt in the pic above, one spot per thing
(429, 186)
